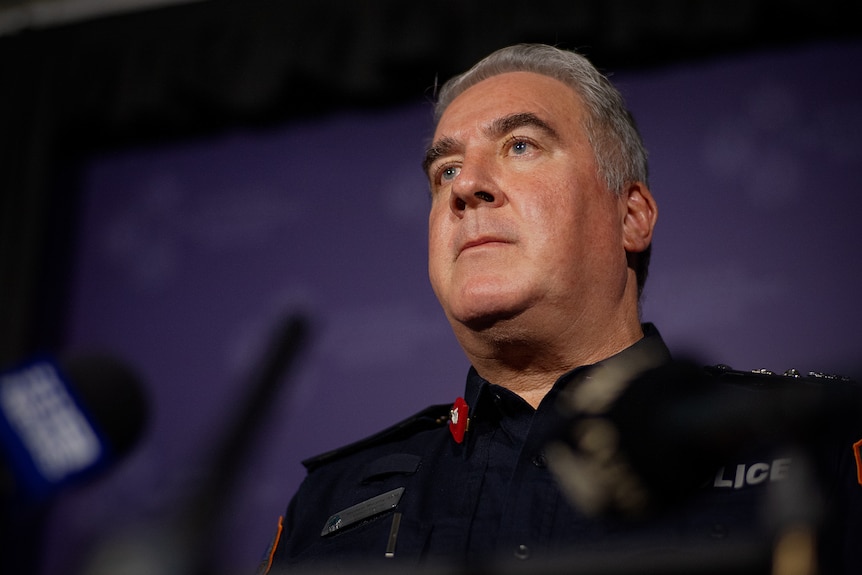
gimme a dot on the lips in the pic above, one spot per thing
(481, 241)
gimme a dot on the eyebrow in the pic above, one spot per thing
(497, 128)
(502, 126)
(445, 146)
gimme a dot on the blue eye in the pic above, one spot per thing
(449, 173)
(520, 146)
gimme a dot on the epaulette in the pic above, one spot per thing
(429, 418)
(758, 377)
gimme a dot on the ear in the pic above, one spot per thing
(641, 213)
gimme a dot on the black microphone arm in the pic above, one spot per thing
(183, 542)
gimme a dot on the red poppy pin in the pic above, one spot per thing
(458, 419)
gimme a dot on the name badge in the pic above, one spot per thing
(361, 511)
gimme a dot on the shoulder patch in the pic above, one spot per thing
(266, 563)
(429, 418)
(857, 454)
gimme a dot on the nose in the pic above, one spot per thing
(474, 187)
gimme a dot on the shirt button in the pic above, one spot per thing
(539, 460)
(522, 552)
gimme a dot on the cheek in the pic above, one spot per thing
(435, 232)
(438, 240)
(555, 215)
(578, 224)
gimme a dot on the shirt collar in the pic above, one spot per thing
(648, 352)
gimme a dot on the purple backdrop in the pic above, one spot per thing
(189, 251)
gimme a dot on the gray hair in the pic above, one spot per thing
(617, 145)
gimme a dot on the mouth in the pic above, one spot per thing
(482, 242)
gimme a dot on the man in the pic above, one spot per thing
(529, 235)
(540, 227)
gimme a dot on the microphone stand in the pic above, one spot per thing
(182, 544)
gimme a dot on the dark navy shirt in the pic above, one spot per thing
(413, 495)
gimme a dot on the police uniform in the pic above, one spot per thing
(478, 491)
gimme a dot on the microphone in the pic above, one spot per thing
(632, 445)
(182, 542)
(62, 423)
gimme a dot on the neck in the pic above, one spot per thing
(529, 362)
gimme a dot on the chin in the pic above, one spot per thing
(485, 302)
(487, 317)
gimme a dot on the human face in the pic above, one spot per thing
(521, 224)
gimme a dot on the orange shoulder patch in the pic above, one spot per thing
(266, 565)
(857, 453)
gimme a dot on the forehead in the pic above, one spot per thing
(511, 93)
